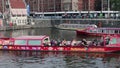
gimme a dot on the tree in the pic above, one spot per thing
(97, 5)
(114, 5)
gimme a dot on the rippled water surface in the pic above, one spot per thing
(52, 32)
(27, 59)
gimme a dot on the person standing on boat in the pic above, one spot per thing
(53, 42)
(73, 42)
(107, 40)
(58, 42)
(63, 43)
(84, 42)
(46, 42)
(95, 42)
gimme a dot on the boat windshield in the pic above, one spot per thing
(34, 42)
(113, 41)
(20, 42)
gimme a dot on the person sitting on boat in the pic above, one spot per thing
(58, 42)
(73, 42)
(94, 42)
(53, 42)
(46, 42)
(107, 39)
(63, 43)
(84, 42)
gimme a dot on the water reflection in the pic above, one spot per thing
(53, 33)
(28, 59)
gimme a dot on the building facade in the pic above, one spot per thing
(86, 5)
(3, 5)
(44, 5)
(60, 5)
(17, 14)
(66, 5)
(104, 5)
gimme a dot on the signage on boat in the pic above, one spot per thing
(60, 48)
(5, 47)
(88, 49)
(10, 47)
(34, 48)
(96, 49)
(18, 47)
(50, 48)
(0, 47)
(78, 49)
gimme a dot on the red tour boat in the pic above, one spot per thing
(42, 43)
(99, 31)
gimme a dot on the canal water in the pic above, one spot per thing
(53, 33)
(30, 59)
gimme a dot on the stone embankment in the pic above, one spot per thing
(38, 23)
(2, 28)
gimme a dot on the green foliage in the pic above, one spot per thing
(97, 5)
(115, 5)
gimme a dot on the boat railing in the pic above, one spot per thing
(104, 30)
(76, 25)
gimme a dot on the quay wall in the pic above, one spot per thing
(2, 28)
(99, 22)
(39, 22)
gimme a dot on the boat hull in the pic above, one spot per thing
(61, 48)
(68, 26)
(79, 32)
